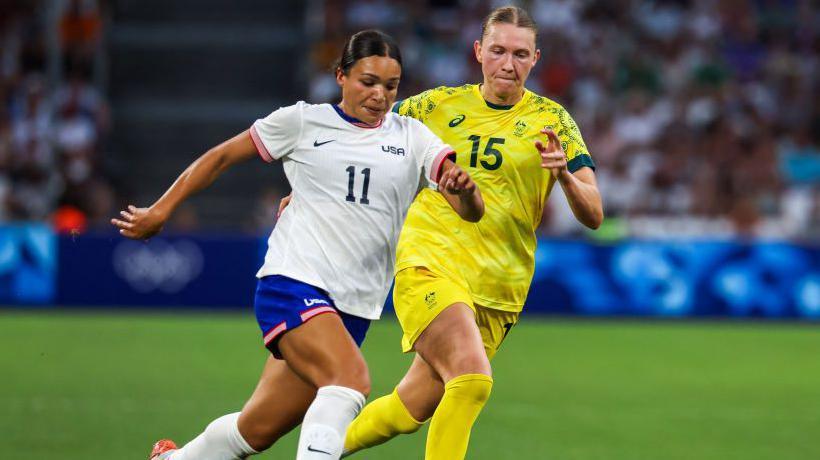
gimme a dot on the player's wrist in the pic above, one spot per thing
(564, 175)
(160, 212)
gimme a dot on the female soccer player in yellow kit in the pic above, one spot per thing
(460, 286)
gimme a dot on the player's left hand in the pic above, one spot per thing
(553, 156)
(139, 223)
(456, 181)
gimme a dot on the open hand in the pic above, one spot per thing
(139, 223)
(553, 156)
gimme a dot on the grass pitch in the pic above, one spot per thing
(107, 385)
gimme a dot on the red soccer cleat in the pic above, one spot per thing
(162, 446)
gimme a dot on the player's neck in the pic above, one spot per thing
(488, 96)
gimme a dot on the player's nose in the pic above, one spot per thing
(378, 94)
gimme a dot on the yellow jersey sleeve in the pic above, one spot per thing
(422, 105)
(571, 141)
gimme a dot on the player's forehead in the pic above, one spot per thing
(510, 37)
(378, 67)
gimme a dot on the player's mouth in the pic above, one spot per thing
(373, 111)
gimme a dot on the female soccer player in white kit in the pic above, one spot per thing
(354, 170)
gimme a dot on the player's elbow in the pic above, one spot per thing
(594, 220)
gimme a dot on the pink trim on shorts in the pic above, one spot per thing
(310, 313)
(276, 331)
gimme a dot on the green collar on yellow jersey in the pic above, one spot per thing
(497, 106)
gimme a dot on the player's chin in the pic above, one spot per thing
(505, 85)
(372, 115)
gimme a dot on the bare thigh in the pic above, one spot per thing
(452, 344)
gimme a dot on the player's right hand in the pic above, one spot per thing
(456, 181)
(139, 223)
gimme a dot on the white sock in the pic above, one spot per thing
(220, 441)
(326, 421)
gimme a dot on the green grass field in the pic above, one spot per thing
(106, 385)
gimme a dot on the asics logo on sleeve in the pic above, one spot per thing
(457, 120)
(316, 143)
(311, 449)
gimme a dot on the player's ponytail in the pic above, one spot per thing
(367, 43)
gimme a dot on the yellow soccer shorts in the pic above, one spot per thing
(419, 295)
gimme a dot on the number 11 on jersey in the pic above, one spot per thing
(351, 179)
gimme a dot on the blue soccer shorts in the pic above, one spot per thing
(283, 304)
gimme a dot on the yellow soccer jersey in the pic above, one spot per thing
(494, 258)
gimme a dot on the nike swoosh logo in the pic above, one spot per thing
(311, 449)
(457, 121)
(316, 143)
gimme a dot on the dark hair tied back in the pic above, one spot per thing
(367, 43)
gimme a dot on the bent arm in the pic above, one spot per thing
(142, 223)
(204, 171)
(581, 190)
(461, 192)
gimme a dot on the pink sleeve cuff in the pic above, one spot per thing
(435, 171)
(260, 146)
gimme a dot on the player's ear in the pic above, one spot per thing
(536, 56)
(477, 49)
(340, 76)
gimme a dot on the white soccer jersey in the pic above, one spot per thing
(352, 185)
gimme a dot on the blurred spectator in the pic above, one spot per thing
(51, 137)
(698, 112)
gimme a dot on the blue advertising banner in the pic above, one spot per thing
(28, 264)
(196, 271)
(699, 278)
(635, 278)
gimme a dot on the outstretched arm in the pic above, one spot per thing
(580, 187)
(461, 192)
(142, 223)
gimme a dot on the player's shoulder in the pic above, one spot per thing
(551, 112)
(540, 103)
(450, 92)
(426, 102)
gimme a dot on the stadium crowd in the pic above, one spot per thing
(51, 129)
(702, 115)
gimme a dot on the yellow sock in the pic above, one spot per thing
(464, 397)
(379, 421)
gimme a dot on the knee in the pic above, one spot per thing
(469, 362)
(472, 387)
(359, 380)
(353, 375)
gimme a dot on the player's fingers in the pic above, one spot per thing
(122, 224)
(540, 146)
(554, 139)
(463, 180)
(127, 215)
(129, 234)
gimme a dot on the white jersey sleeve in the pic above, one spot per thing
(276, 135)
(432, 150)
